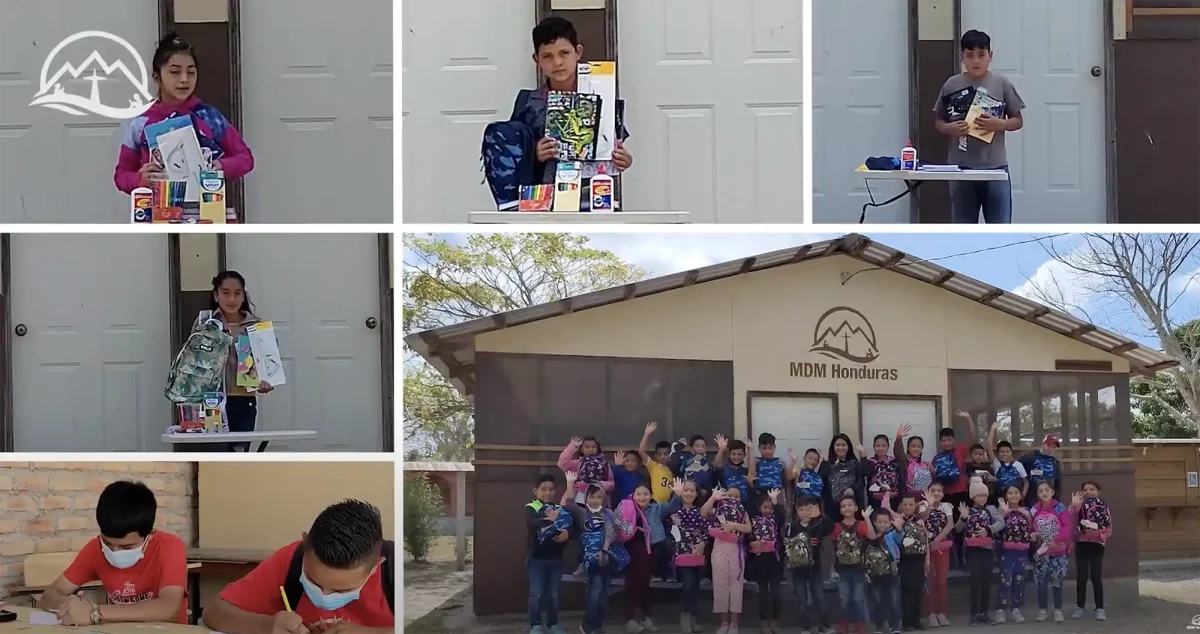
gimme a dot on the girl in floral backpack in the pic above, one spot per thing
(1052, 526)
(938, 515)
(730, 525)
(978, 524)
(917, 474)
(1014, 551)
(883, 471)
(1093, 523)
(765, 562)
(691, 530)
(585, 457)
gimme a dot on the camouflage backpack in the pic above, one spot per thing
(915, 531)
(199, 367)
(799, 551)
(849, 547)
(878, 560)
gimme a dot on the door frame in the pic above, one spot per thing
(1109, 100)
(7, 441)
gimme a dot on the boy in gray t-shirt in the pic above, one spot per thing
(968, 197)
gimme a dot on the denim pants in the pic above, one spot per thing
(596, 602)
(810, 595)
(994, 198)
(545, 576)
(1049, 571)
(241, 412)
(885, 601)
(690, 576)
(852, 591)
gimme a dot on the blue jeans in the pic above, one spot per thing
(885, 602)
(596, 601)
(241, 413)
(810, 591)
(545, 576)
(1012, 578)
(690, 577)
(852, 591)
(993, 197)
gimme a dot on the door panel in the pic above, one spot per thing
(319, 290)
(317, 85)
(798, 422)
(89, 373)
(884, 416)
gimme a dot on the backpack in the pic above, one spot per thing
(919, 477)
(936, 520)
(1096, 510)
(564, 522)
(920, 539)
(763, 528)
(387, 576)
(842, 475)
(1007, 475)
(849, 547)
(878, 560)
(592, 468)
(199, 368)
(799, 551)
(768, 473)
(945, 468)
(886, 475)
(1017, 529)
(507, 157)
(978, 519)
(816, 486)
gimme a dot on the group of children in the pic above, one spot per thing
(894, 522)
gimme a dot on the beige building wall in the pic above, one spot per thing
(764, 322)
(50, 507)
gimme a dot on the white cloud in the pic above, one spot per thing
(1065, 285)
(667, 253)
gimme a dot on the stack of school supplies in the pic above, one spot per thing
(983, 103)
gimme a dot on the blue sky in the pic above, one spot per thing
(1006, 264)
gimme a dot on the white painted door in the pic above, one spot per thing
(713, 107)
(88, 373)
(798, 422)
(457, 79)
(317, 110)
(885, 416)
(860, 104)
(1048, 49)
(319, 290)
(57, 167)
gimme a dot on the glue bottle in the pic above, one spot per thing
(602, 190)
(908, 157)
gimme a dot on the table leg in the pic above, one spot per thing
(262, 447)
(194, 597)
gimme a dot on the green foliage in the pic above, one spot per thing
(1150, 417)
(422, 508)
(449, 282)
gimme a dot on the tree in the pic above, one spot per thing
(451, 281)
(1150, 419)
(1142, 277)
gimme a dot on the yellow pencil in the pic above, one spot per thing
(287, 604)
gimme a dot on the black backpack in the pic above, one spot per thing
(387, 575)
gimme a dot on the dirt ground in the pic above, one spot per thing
(433, 585)
(1169, 600)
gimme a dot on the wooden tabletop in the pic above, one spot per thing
(22, 626)
(228, 555)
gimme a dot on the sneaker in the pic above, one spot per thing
(896, 630)
(878, 630)
(1017, 617)
(724, 629)
(557, 629)
(633, 627)
(537, 629)
(943, 621)
(933, 622)
(1058, 616)
(1077, 614)
(999, 617)
(1041, 616)
(733, 628)
(649, 625)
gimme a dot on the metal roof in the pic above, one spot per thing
(438, 466)
(451, 349)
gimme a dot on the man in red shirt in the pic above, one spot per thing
(338, 579)
(143, 571)
(955, 489)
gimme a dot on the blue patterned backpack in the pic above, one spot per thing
(508, 157)
(945, 468)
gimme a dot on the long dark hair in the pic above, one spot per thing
(246, 307)
(579, 451)
(169, 46)
(849, 449)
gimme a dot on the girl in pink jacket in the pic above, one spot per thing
(1052, 528)
(1092, 523)
(174, 69)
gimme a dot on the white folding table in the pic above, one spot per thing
(914, 179)
(179, 441)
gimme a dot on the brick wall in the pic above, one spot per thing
(50, 507)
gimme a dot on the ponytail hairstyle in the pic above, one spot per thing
(168, 47)
(246, 307)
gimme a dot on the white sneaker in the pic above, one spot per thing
(649, 625)
(1041, 616)
(933, 621)
(1017, 617)
(999, 617)
(1101, 615)
(1077, 614)
(1058, 616)
(943, 621)
(633, 627)
(724, 629)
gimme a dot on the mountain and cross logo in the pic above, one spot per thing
(844, 333)
(52, 93)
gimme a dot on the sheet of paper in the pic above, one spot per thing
(182, 159)
(267, 361)
(41, 617)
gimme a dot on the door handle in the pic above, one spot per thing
(372, 323)
(1097, 71)
(22, 330)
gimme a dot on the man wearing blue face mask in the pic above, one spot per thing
(143, 571)
(338, 579)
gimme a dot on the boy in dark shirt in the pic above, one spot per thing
(557, 53)
(545, 561)
(808, 577)
(968, 197)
